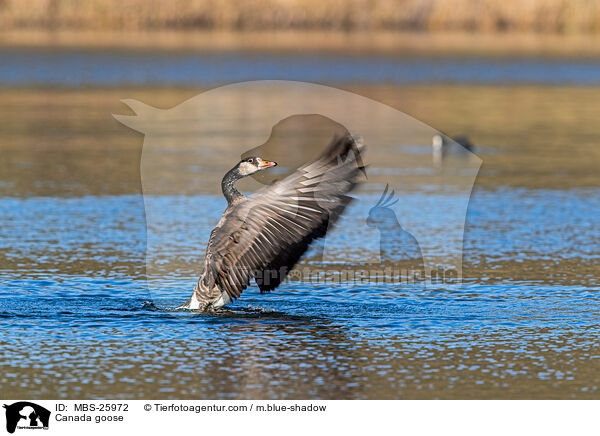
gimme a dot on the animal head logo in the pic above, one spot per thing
(26, 415)
(188, 148)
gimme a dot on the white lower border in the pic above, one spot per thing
(173, 417)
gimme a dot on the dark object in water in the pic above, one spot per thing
(444, 146)
(264, 236)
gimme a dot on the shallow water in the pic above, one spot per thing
(79, 319)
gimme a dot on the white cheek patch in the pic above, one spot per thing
(247, 168)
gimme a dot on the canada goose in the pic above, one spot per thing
(263, 236)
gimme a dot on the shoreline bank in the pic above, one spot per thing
(381, 42)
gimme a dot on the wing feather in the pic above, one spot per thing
(264, 236)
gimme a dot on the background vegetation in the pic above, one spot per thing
(544, 16)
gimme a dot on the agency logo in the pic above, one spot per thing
(26, 415)
(404, 226)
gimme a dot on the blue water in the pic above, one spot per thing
(77, 68)
(78, 319)
(81, 315)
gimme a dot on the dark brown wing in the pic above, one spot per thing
(264, 236)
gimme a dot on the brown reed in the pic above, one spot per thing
(548, 16)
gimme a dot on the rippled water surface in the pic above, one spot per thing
(78, 318)
(80, 67)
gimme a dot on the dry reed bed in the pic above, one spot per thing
(557, 16)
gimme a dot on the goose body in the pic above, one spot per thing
(263, 236)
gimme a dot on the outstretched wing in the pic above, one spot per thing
(264, 236)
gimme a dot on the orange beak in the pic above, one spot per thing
(262, 164)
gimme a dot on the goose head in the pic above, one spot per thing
(251, 165)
